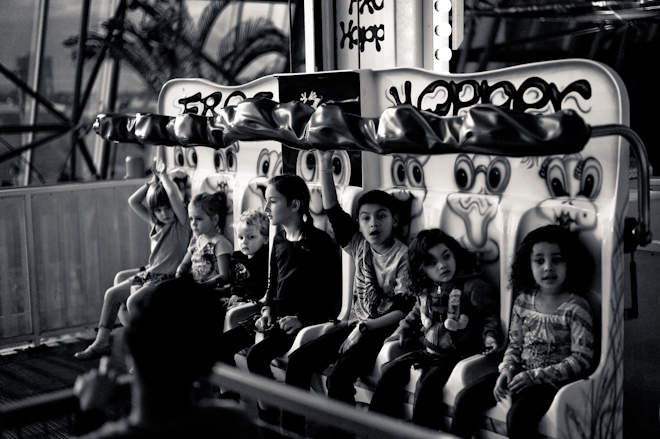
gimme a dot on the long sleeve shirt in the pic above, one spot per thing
(305, 277)
(250, 275)
(553, 348)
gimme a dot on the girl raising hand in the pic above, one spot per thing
(159, 203)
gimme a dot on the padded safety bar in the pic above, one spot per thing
(482, 129)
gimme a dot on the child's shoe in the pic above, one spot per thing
(93, 352)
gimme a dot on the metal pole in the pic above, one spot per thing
(38, 43)
(643, 229)
(77, 110)
(112, 95)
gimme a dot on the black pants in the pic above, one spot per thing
(389, 394)
(318, 354)
(259, 356)
(527, 408)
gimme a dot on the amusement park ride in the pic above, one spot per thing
(485, 156)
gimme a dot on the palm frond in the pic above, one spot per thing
(158, 40)
(208, 17)
(248, 41)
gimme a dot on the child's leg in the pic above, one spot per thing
(231, 342)
(357, 361)
(315, 356)
(137, 296)
(312, 357)
(428, 394)
(388, 396)
(527, 409)
(112, 300)
(471, 403)
(259, 356)
(124, 275)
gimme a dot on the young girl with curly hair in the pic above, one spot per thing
(551, 338)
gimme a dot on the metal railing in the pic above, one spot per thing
(319, 408)
(35, 413)
(60, 248)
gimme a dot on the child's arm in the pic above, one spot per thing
(512, 355)
(186, 263)
(410, 324)
(510, 367)
(328, 190)
(486, 300)
(343, 225)
(389, 319)
(175, 197)
(266, 319)
(136, 201)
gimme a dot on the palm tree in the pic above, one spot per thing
(160, 40)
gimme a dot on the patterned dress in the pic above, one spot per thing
(552, 348)
(204, 259)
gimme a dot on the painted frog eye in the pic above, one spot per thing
(263, 163)
(232, 159)
(226, 160)
(497, 175)
(341, 168)
(556, 178)
(591, 178)
(269, 163)
(415, 173)
(179, 156)
(191, 157)
(464, 172)
(306, 166)
(398, 171)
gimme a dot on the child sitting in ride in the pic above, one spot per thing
(249, 263)
(380, 296)
(303, 285)
(551, 339)
(455, 316)
(169, 235)
(209, 252)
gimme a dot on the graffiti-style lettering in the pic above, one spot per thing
(548, 93)
(348, 34)
(372, 34)
(407, 90)
(371, 4)
(207, 104)
(237, 95)
(503, 94)
(196, 104)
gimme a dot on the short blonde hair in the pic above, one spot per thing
(254, 217)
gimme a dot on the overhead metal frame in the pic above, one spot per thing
(597, 17)
(69, 125)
